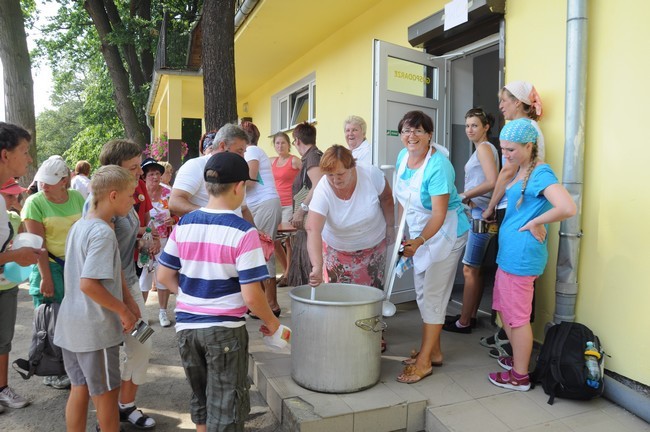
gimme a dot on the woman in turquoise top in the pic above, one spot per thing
(535, 199)
(438, 229)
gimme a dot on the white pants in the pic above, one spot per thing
(267, 216)
(434, 285)
(135, 355)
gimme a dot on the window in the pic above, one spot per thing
(295, 104)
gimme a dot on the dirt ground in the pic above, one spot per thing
(165, 397)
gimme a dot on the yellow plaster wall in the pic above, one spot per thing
(178, 96)
(614, 291)
(343, 67)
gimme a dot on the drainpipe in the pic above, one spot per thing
(243, 11)
(566, 285)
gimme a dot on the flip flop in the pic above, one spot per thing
(411, 360)
(414, 374)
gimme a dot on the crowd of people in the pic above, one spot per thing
(215, 245)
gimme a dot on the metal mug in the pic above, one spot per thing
(480, 226)
(142, 331)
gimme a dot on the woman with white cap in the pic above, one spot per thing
(49, 214)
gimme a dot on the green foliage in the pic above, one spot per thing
(53, 138)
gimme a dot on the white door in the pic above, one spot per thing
(404, 80)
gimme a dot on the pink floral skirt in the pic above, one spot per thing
(362, 267)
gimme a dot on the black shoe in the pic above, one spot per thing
(473, 322)
(452, 327)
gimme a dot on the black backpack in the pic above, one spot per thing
(45, 358)
(561, 364)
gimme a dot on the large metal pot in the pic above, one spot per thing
(336, 340)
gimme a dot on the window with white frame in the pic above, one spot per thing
(295, 104)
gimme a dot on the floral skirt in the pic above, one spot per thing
(362, 267)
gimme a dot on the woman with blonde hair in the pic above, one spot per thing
(535, 199)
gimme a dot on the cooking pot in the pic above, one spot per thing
(336, 339)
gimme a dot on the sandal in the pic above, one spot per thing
(411, 374)
(282, 282)
(414, 356)
(136, 417)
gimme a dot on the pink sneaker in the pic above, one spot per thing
(507, 380)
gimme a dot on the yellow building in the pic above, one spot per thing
(324, 60)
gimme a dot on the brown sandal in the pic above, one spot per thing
(411, 374)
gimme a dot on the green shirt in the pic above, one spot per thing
(56, 218)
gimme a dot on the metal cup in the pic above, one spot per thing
(479, 226)
(141, 331)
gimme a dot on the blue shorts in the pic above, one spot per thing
(476, 247)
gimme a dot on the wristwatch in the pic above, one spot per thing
(304, 207)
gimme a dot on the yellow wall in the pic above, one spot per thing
(343, 67)
(614, 291)
(178, 96)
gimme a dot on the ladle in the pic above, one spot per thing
(388, 309)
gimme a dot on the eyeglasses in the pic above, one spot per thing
(416, 132)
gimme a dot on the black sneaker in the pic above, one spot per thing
(452, 327)
(504, 350)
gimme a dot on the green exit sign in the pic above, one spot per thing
(390, 132)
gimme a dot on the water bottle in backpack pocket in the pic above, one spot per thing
(570, 364)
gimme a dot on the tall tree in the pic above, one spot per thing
(18, 83)
(218, 52)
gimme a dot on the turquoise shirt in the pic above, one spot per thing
(438, 179)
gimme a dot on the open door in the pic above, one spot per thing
(404, 80)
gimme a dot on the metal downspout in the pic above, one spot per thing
(566, 285)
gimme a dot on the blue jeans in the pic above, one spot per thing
(215, 360)
(476, 247)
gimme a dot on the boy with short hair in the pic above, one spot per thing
(96, 309)
(218, 259)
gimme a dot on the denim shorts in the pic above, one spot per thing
(476, 247)
(215, 360)
(8, 308)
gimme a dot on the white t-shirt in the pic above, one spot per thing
(362, 153)
(264, 189)
(190, 179)
(80, 183)
(357, 223)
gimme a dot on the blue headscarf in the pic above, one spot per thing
(519, 131)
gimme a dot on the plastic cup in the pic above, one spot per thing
(280, 339)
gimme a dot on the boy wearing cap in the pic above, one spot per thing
(97, 308)
(218, 260)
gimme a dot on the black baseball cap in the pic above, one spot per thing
(150, 163)
(230, 168)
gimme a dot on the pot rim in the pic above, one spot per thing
(380, 296)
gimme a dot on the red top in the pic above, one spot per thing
(284, 176)
(142, 203)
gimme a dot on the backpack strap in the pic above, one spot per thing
(56, 259)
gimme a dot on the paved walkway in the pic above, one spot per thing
(458, 397)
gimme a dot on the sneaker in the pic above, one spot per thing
(501, 351)
(507, 380)
(496, 340)
(164, 321)
(505, 362)
(11, 399)
(58, 382)
(454, 328)
(473, 322)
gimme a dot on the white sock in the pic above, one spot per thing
(128, 405)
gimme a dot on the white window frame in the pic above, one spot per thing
(290, 95)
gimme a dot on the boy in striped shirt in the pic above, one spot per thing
(214, 262)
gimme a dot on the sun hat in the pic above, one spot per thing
(149, 164)
(229, 168)
(11, 187)
(525, 92)
(519, 131)
(52, 170)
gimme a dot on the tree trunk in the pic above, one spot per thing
(219, 91)
(18, 83)
(119, 77)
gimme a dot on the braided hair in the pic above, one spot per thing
(531, 167)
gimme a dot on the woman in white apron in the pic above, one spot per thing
(438, 232)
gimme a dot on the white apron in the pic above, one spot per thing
(438, 247)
